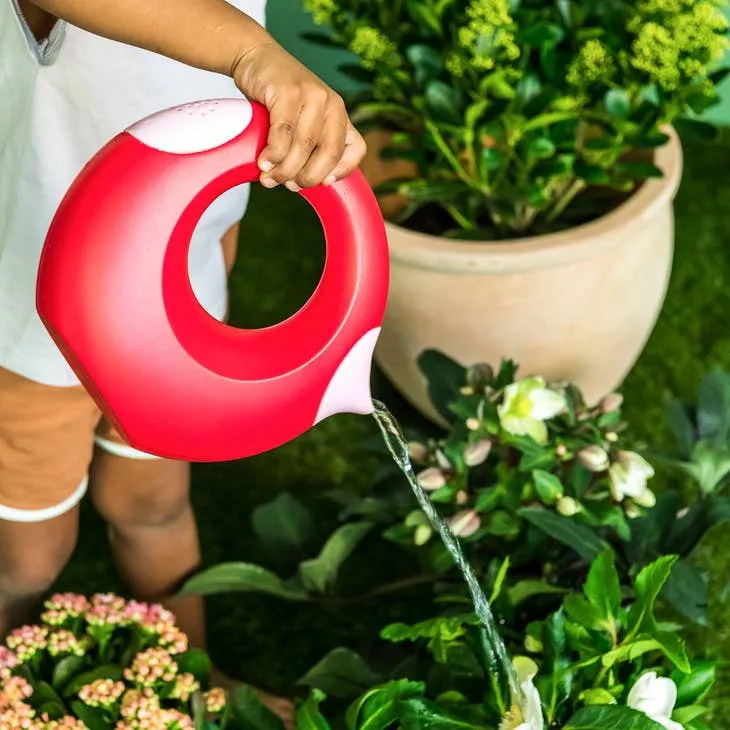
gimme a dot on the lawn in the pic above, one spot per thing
(271, 642)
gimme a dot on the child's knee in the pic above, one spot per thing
(140, 494)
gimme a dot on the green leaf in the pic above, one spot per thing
(320, 573)
(195, 662)
(548, 486)
(603, 587)
(528, 88)
(108, 671)
(445, 378)
(687, 590)
(541, 148)
(618, 104)
(442, 100)
(610, 717)
(44, 694)
(674, 649)
(541, 34)
(240, 578)
(709, 465)
(377, 709)
(695, 686)
(526, 589)
(639, 170)
(342, 673)
(593, 174)
(499, 580)
(685, 715)
(421, 714)
(630, 651)
(576, 536)
(687, 531)
(93, 717)
(648, 585)
(440, 632)
(697, 129)
(250, 713)
(66, 670)
(583, 612)
(284, 524)
(682, 427)
(427, 62)
(492, 159)
(308, 716)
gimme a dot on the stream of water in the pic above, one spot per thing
(499, 658)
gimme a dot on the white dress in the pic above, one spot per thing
(60, 102)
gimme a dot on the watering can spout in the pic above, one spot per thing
(349, 390)
(175, 381)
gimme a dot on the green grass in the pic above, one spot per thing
(271, 642)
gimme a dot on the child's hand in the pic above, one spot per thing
(311, 140)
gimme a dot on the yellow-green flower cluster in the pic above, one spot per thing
(488, 35)
(676, 40)
(593, 63)
(321, 10)
(373, 47)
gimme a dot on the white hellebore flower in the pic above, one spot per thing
(655, 697)
(629, 476)
(527, 714)
(527, 404)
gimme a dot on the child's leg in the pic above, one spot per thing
(46, 441)
(153, 533)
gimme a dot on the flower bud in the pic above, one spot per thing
(464, 524)
(646, 498)
(567, 506)
(612, 437)
(472, 424)
(479, 374)
(477, 453)
(417, 452)
(466, 390)
(431, 479)
(422, 535)
(594, 458)
(462, 497)
(612, 402)
(533, 645)
(442, 461)
(560, 450)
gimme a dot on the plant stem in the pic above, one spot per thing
(460, 218)
(448, 154)
(576, 187)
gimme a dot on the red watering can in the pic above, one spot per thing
(115, 295)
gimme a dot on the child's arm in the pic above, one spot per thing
(311, 138)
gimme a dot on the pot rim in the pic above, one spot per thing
(435, 253)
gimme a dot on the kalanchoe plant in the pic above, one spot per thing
(511, 110)
(107, 664)
(601, 660)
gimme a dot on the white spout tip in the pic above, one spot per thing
(349, 389)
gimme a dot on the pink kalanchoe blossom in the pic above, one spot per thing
(27, 640)
(181, 720)
(150, 667)
(64, 642)
(215, 700)
(63, 606)
(8, 660)
(136, 612)
(15, 690)
(107, 609)
(138, 707)
(174, 640)
(185, 686)
(20, 715)
(101, 693)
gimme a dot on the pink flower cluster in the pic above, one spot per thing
(76, 626)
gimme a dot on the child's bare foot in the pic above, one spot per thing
(278, 705)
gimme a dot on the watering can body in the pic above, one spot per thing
(114, 293)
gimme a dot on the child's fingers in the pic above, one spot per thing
(306, 138)
(355, 149)
(328, 151)
(284, 117)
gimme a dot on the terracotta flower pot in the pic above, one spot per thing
(578, 305)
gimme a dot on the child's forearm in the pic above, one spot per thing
(209, 34)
